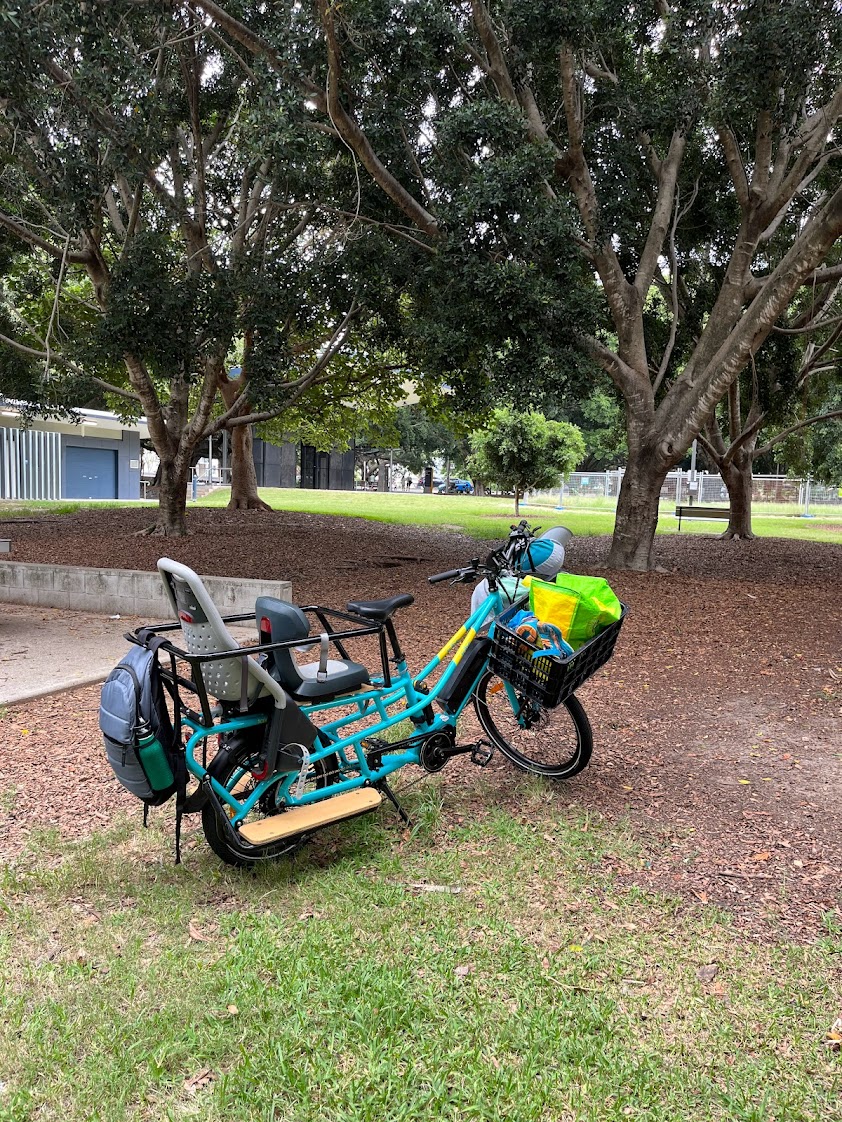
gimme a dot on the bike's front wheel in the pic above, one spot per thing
(556, 743)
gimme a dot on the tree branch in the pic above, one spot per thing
(762, 153)
(794, 428)
(259, 47)
(58, 357)
(809, 141)
(673, 288)
(826, 275)
(497, 70)
(574, 168)
(660, 218)
(388, 226)
(26, 235)
(722, 366)
(625, 377)
(357, 141)
(230, 420)
(711, 451)
(735, 165)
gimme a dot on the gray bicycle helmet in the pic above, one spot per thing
(544, 557)
(558, 534)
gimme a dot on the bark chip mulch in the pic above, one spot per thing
(717, 724)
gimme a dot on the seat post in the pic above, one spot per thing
(384, 654)
(393, 639)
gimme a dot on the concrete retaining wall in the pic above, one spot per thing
(124, 592)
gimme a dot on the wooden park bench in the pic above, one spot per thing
(701, 512)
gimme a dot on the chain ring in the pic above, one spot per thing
(435, 751)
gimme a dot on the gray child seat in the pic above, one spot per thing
(312, 681)
(240, 679)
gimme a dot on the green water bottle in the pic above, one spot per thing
(153, 758)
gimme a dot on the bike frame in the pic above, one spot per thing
(389, 704)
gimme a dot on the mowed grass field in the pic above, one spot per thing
(490, 518)
(481, 967)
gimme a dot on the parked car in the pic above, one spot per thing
(455, 487)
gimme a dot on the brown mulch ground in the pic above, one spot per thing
(717, 724)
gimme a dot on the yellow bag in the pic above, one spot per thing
(580, 606)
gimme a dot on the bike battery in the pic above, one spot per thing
(464, 678)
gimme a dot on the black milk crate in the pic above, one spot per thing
(549, 680)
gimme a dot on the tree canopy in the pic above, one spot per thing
(165, 200)
(518, 451)
(640, 186)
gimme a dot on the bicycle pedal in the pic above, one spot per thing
(482, 753)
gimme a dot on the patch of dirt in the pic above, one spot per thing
(717, 724)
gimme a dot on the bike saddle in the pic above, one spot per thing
(380, 609)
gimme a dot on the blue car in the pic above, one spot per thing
(456, 487)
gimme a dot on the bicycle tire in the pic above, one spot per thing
(555, 743)
(227, 766)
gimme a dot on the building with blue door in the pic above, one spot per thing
(99, 458)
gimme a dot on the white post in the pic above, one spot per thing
(691, 488)
(806, 513)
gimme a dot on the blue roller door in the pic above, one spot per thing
(90, 473)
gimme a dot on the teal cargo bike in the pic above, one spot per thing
(277, 746)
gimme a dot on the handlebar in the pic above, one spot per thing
(451, 574)
(502, 561)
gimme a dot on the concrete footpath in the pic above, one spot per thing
(51, 640)
(45, 650)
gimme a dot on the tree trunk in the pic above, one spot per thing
(517, 502)
(383, 481)
(632, 546)
(172, 499)
(244, 494)
(738, 479)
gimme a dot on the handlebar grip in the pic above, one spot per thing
(451, 574)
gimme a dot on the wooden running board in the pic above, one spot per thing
(302, 819)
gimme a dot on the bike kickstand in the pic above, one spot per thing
(393, 799)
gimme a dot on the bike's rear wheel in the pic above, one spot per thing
(556, 743)
(233, 766)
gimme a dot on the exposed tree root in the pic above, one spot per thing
(248, 503)
(735, 536)
(159, 531)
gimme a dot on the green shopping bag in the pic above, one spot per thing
(580, 606)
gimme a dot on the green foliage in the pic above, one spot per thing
(185, 191)
(331, 416)
(518, 451)
(420, 435)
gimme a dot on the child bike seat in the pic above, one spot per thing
(280, 622)
(381, 609)
(229, 679)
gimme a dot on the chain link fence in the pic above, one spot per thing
(599, 490)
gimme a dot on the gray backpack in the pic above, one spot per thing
(133, 700)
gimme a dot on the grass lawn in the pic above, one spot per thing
(528, 985)
(491, 518)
